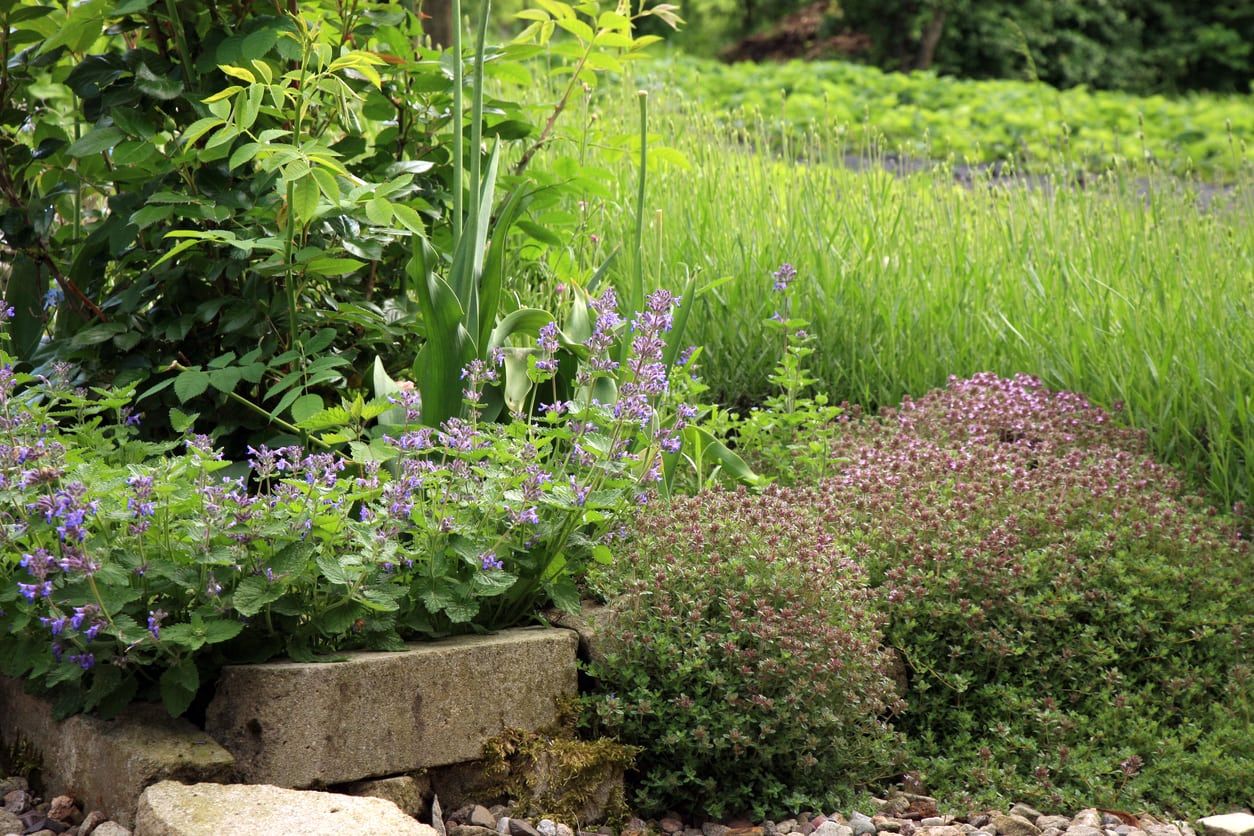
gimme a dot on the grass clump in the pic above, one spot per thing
(744, 657)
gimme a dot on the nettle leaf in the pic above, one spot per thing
(492, 583)
(178, 686)
(331, 569)
(253, 594)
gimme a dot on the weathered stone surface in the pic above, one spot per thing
(480, 816)
(1059, 822)
(110, 828)
(106, 764)
(831, 828)
(1015, 826)
(1232, 824)
(173, 809)
(297, 724)
(10, 823)
(1088, 817)
(939, 830)
(1029, 813)
(1084, 830)
(405, 791)
(461, 784)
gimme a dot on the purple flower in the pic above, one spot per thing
(784, 276)
(155, 617)
(527, 516)
(489, 561)
(83, 660)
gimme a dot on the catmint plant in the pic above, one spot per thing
(134, 570)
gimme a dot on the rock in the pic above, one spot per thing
(1082, 830)
(502, 825)
(1014, 825)
(670, 825)
(861, 824)
(481, 817)
(91, 821)
(564, 830)
(405, 791)
(1232, 824)
(297, 724)
(44, 832)
(978, 821)
(64, 810)
(885, 824)
(818, 821)
(10, 823)
(831, 828)
(547, 827)
(1027, 812)
(939, 830)
(714, 829)
(786, 826)
(919, 807)
(750, 830)
(470, 830)
(932, 821)
(437, 817)
(17, 801)
(1059, 822)
(111, 828)
(8, 785)
(173, 809)
(108, 763)
(518, 827)
(1087, 818)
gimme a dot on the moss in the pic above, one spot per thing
(558, 777)
(20, 759)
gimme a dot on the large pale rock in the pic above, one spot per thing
(106, 764)
(407, 792)
(296, 724)
(174, 809)
(1232, 824)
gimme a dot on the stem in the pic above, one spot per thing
(638, 288)
(459, 161)
(180, 41)
(476, 111)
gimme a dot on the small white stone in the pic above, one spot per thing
(547, 827)
(1232, 824)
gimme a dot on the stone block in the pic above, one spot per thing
(297, 724)
(106, 764)
(173, 809)
(407, 792)
(1231, 824)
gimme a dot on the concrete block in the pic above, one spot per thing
(106, 764)
(173, 809)
(296, 724)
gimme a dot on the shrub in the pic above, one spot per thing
(1074, 625)
(129, 570)
(744, 657)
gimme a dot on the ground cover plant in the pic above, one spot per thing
(924, 115)
(744, 657)
(1069, 621)
(1135, 291)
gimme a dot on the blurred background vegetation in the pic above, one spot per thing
(1142, 46)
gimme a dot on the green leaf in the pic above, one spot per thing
(224, 380)
(492, 583)
(332, 570)
(161, 87)
(253, 594)
(179, 684)
(601, 554)
(305, 407)
(190, 384)
(305, 198)
(28, 282)
(217, 632)
(181, 421)
(96, 140)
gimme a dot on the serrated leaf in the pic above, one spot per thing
(181, 421)
(305, 407)
(179, 684)
(225, 380)
(190, 384)
(253, 594)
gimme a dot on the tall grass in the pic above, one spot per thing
(1127, 289)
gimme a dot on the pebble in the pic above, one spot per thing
(1086, 818)
(885, 824)
(1083, 830)
(714, 829)
(1027, 812)
(518, 827)
(10, 823)
(111, 828)
(786, 826)
(481, 817)
(932, 821)
(1232, 824)
(547, 827)
(671, 825)
(90, 822)
(831, 828)
(861, 824)
(1015, 826)
(1058, 822)
(563, 830)
(64, 810)
(502, 825)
